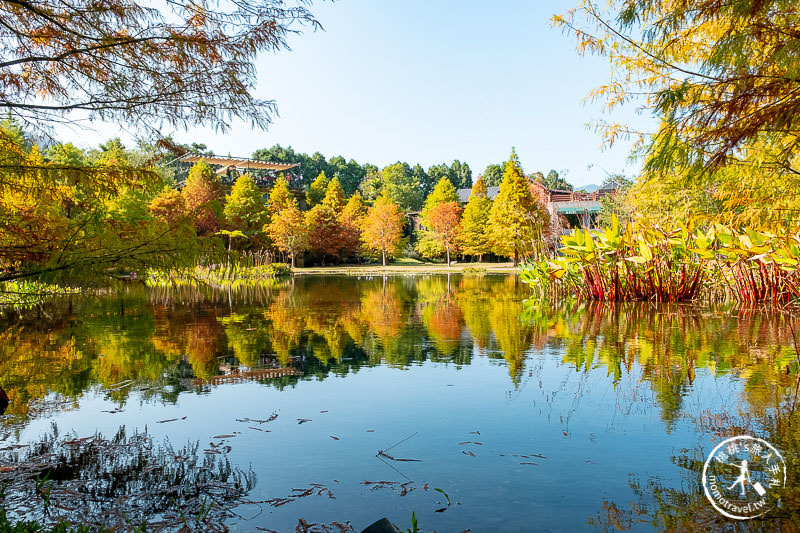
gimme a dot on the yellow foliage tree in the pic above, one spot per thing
(382, 229)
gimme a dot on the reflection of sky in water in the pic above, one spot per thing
(598, 437)
(610, 434)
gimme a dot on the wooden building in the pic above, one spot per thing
(575, 209)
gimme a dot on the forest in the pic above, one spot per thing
(82, 214)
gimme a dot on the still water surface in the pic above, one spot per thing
(271, 406)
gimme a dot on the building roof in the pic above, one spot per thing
(463, 194)
(238, 162)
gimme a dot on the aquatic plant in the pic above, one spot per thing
(27, 293)
(635, 263)
(647, 262)
(250, 267)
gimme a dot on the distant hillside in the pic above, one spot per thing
(588, 188)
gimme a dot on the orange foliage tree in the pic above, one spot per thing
(168, 206)
(445, 223)
(325, 232)
(203, 196)
(352, 219)
(383, 228)
(288, 231)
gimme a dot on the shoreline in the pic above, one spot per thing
(421, 268)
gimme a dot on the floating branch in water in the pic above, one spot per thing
(314, 489)
(382, 453)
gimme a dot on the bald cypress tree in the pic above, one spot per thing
(316, 191)
(203, 196)
(324, 224)
(245, 209)
(474, 237)
(428, 245)
(517, 220)
(279, 197)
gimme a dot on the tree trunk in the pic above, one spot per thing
(516, 257)
(292, 261)
(448, 256)
(383, 254)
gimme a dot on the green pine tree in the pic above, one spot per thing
(517, 220)
(474, 238)
(280, 197)
(316, 191)
(245, 209)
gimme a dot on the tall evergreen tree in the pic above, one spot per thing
(402, 186)
(316, 191)
(460, 175)
(245, 209)
(554, 181)
(372, 185)
(474, 238)
(493, 175)
(517, 220)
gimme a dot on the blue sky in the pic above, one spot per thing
(432, 81)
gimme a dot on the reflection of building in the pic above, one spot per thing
(579, 209)
(230, 168)
(240, 375)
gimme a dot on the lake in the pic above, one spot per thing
(327, 403)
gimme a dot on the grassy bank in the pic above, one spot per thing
(408, 266)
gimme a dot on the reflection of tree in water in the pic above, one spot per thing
(513, 336)
(669, 343)
(441, 314)
(335, 325)
(685, 507)
(121, 483)
(36, 361)
(247, 337)
(473, 299)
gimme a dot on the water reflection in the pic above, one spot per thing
(167, 344)
(315, 325)
(322, 325)
(121, 483)
(669, 344)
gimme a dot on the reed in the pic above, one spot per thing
(646, 262)
(247, 267)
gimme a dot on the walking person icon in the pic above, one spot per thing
(744, 476)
